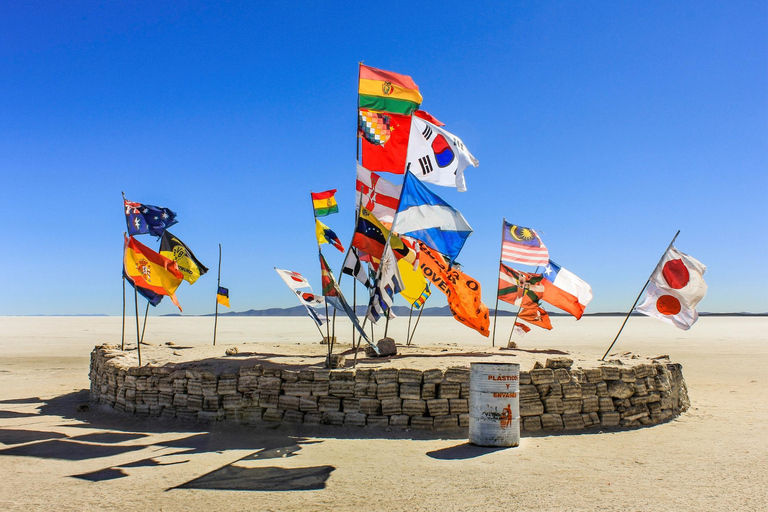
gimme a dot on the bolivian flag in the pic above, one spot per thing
(385, 91)
(174, 249)
(222, 296)
(148, 269)
(324, 203)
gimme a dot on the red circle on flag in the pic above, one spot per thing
(668, 305)
(676, 274)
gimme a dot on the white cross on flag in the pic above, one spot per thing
(677, 286)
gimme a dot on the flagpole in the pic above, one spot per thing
(138, 340)
(525, 288)
(216, 315)
(408, 331)
(421, 310)
(320, 257)
(496, 308)
(638, 297)
(144, 327)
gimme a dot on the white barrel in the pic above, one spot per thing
(494, 404)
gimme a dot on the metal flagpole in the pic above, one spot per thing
(525, 288)
(122, 343)
(138, 340)
(408, 331)
(144, 327)
(421, 310)
(638, 297)
(218, 285)
(496, 308)
(320, 258)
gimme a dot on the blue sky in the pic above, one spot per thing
(607, 126)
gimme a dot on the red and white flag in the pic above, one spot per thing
(523, 245)
(520, 329)
(377, 195)
(677, 286)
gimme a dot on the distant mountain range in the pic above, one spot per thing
(405, 311)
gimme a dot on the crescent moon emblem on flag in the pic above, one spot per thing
(513, 232)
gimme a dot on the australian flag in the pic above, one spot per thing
(145, 218)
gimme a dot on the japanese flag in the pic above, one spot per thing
(659, 303)
(681, 275)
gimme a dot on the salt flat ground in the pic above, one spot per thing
(52, 457)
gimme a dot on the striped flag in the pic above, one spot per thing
(423, 298)
(377, 195)
(523, 245)
(354, 267)
(324, 203)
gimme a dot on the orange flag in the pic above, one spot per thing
(462, 291)
(536, 316)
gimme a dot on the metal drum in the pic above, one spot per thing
(494, 404)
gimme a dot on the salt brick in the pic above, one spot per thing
(572, 390)
(195, 402)
(434, 376)
(531, 408)
(195, 387)
(553, 405)
(562, 376)
(180, 400)
(342, 375)
(320, 388)
(464, 391)
(605, 404)
(308, 403)
(610, 373)
(234, 414)
(306, 375)
(377, 421)
(287, 402)
(208, 388)
(165, 385)
(449, 389)
(386, 376)
(391, 406)
(414, 407)
(206, 415)
(593, 375)
(328, 404)
(588, 389)
(293, 417)
(422, 422)
(365, 389)
(370, 406)
(428, 391)
(179, 385)
(459, 405)
(333, 418)
(531, 424)
(273, 372)
(313, 418)
(456, 374)
(350, 405)
(590, 404)
(255, 371)
(364, 375)
(268, 400)
(528, 391)
(272, 414)
(164, 399)
(342, 388)
(571, 405)
(446, 422)
(210, 403)
(354, 419)
(247, 382)
(438, 407)
(644, 370)
(141, 384)
(322, 375)
(410, 391)
(399, 420)
(551, 422)
(627, 375)
(525, 378)
(408, 376)
(387, 390)
(297, 388)
(289, 375)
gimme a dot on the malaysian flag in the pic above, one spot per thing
(523, 245)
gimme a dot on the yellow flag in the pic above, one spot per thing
(413, 280)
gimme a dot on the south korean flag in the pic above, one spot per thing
(437, 156)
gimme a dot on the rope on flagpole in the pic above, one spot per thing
(638, 297)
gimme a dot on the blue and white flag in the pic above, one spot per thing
(425, 216)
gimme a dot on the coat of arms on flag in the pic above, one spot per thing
(375, 127)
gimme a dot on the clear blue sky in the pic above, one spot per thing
(606, 126)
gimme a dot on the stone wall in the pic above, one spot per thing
(552, 398)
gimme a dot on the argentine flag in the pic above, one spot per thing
(425, 216)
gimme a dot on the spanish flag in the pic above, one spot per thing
(385, 91)
(222, 296)
(148, 269)
(324, 203)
